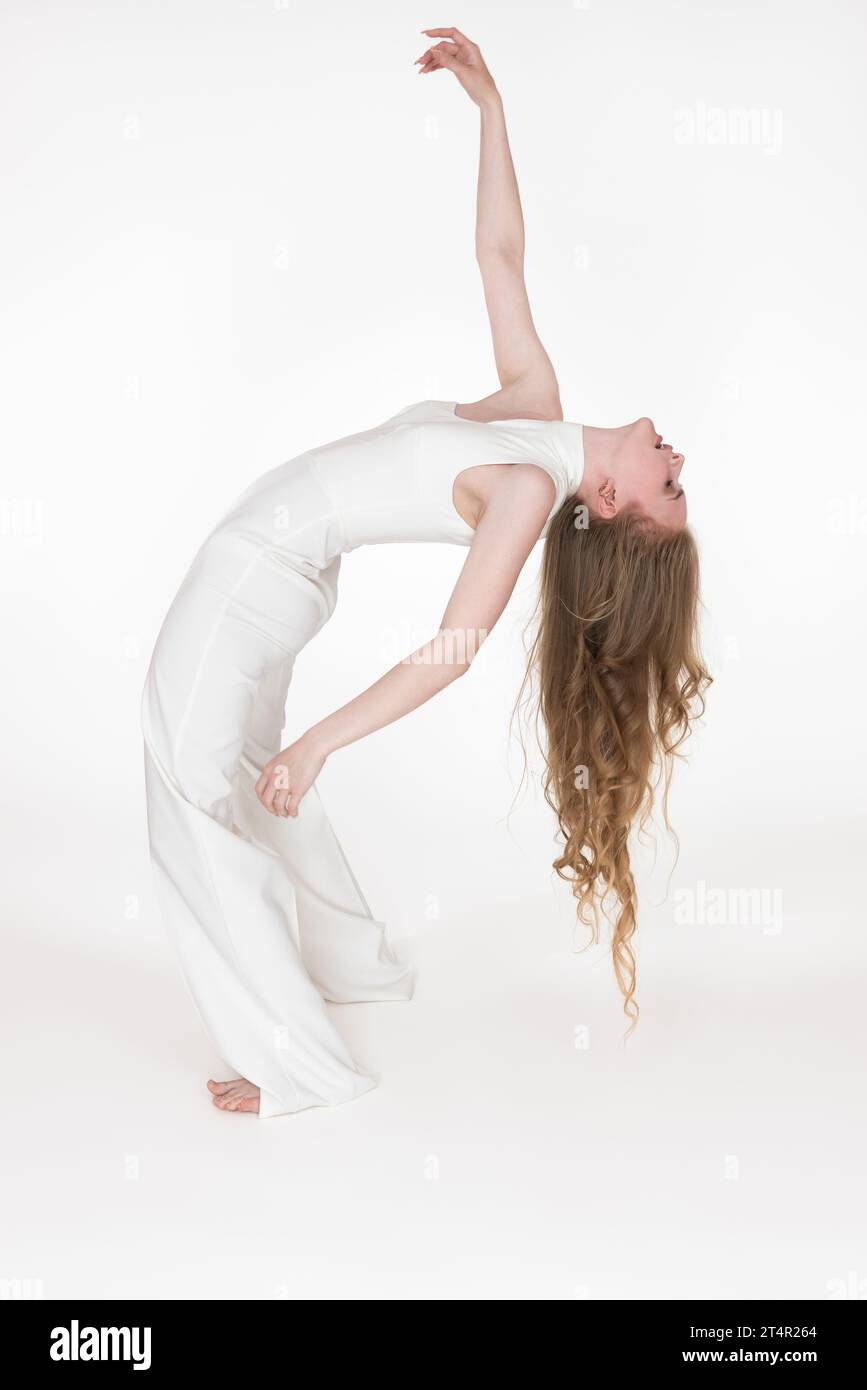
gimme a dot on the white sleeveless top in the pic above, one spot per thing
(395, 482)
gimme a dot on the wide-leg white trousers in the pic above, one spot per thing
(265, 914)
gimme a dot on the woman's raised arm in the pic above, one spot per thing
(528, 384)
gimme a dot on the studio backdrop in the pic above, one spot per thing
(237, 229)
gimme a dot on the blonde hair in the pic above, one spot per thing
(619, 674)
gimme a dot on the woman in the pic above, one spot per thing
(265, 913)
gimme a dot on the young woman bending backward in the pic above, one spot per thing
(263, 909)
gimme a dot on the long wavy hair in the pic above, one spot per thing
(619, 673)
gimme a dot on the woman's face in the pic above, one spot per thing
(646, 473)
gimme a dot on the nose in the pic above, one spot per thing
(677, 462)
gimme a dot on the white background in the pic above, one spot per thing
(236, 229)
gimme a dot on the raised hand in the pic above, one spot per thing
(462, 57)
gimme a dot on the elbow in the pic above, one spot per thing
(451, 671)
(451, 652)
(505, 253)
(458, 646)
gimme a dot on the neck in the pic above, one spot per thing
(599, 447)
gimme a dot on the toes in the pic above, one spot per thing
(225, 1099)
(237, 1094)
(245, 1104)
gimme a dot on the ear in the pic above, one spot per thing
(607, 500)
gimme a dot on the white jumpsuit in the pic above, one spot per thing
(265, 913)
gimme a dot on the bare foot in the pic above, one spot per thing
(235, 1095)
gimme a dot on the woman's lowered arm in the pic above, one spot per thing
(508, 530)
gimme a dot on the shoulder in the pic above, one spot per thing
(514, 513)
(524, 494)
(529, 480)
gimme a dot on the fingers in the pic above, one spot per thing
(456, 48)
(274, 791)
(448, 34)
(266, 796)
(442, 55)
(286, 805)
(265, 789)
